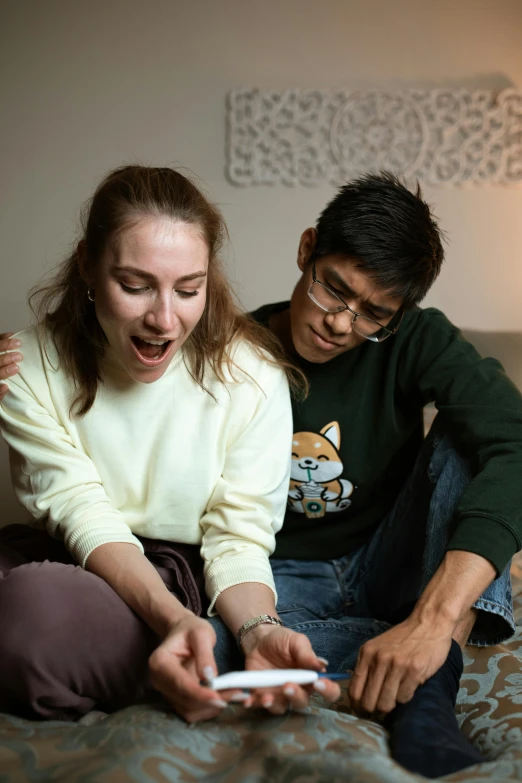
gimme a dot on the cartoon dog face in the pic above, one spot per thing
(315, 456)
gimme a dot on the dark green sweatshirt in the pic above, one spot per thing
(357, 435)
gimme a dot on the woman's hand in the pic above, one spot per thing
(8, 361)
(274, 647)
(177, 666)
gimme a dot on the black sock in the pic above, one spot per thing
(424, 733)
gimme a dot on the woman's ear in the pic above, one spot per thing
(306, 247)
(81, 254)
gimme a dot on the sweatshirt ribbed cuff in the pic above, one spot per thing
(91, 534)
(231, 571)
(487, 537)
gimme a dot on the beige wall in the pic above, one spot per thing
(85, 86)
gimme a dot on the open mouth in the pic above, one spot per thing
(149, 351)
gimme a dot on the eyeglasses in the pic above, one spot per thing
(323, 296)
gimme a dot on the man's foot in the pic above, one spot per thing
(424, 733)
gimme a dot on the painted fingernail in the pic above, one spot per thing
(239, 697)
(323, 660)
(320, 685)
(218, 703)
(208, 673)
(289, 691)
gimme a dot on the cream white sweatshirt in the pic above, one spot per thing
(161, 460)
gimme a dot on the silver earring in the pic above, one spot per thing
(90, 294)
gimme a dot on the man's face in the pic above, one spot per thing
(318, 336)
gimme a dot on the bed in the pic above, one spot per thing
(149, 744)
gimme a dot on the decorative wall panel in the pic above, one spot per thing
(439, 136)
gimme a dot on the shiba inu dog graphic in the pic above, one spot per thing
(315, 486)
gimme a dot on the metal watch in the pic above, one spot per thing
(263, 619)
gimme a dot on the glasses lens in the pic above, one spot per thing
(331, 303)
(325, 298)
(370, 330)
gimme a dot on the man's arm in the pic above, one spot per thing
(392, 666)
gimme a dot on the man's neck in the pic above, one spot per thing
(279, 324)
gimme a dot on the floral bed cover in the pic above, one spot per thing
(148, 744)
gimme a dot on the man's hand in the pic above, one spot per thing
(8, 361)
(274, 647)
(391, 666)
(181, 662)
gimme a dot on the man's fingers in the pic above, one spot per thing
(415, 676)
(8, 361)
(359, 677)
(378, 671)
(5, 336)
(8, 371)
(386, 700)
(8, 356)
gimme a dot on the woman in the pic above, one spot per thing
(148, 418)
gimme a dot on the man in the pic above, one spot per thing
(379, 526)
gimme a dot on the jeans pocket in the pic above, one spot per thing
(293, 615)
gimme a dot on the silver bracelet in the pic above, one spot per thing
(254, 622)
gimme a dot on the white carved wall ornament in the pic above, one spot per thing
(438, 136)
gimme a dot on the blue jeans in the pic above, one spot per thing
(340, 604)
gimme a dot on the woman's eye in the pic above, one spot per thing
(129, 289)
(187, 294)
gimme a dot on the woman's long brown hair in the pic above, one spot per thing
(126, 195)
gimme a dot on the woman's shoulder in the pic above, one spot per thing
(249, 362)
(39, 352)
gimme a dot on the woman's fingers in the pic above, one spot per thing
(182, 688)
(202, 640)
(180, 663)
(289, 696)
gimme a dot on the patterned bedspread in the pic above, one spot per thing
(326, 745)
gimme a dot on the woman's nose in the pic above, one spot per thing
(162, 315)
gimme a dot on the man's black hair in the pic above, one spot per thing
(388, 230)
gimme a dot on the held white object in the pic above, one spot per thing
(263, 678)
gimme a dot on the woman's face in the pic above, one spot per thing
(149, 293)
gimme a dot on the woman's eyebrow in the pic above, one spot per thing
(192, 276)
(134, 270)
